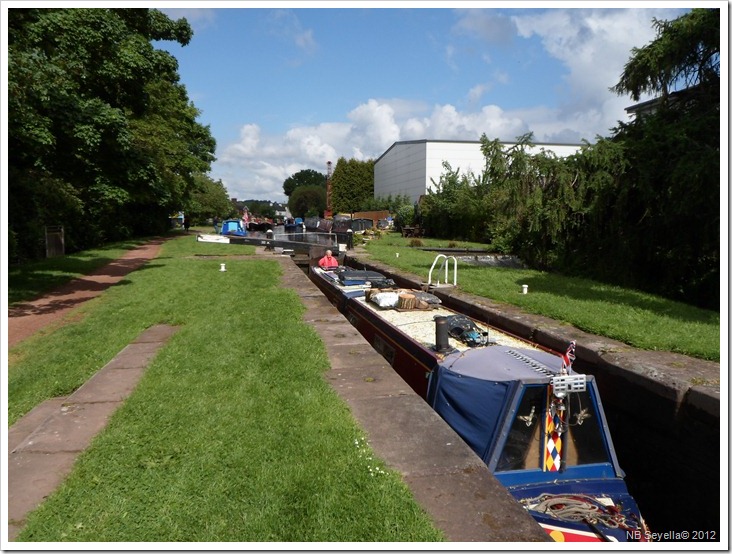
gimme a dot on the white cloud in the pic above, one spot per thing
(248, 142)
(591, 45)
(257, 165)
(414, 128)
(594, 45)
(476, 93)
(446, 123)
(373, 126)
(286, 25)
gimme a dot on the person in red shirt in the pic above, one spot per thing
(328, 261)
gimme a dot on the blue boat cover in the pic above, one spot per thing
(471, 389)
(233, 227)
(472, 407)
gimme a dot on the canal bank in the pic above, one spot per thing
(446, 477)
(463, 498)
(664, 408)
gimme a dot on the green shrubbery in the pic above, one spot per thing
(639, 209)
(404, 216)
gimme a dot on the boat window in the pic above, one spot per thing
(585, 442)
(582, 442)
(523, 445)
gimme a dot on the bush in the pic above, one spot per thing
(404, 217)
(416, 243)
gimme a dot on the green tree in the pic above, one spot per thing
(685, 54)
(597, 237)
(404, 216)
(208, 199)
(102, 137)
(352, 185)
(672, 190)
(307, 201)
(454, 207)
(260, 208)
(389, 203)
(304, 177)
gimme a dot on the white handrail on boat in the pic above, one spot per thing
(446, 265)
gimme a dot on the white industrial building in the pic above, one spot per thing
(409, 167)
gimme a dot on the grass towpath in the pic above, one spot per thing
(28, 281)
(636, 318)
(232, 433)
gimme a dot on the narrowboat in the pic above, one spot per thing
(535, 422)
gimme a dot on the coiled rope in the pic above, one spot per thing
(579, 508)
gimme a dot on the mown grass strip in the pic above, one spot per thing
(636, 318)
(232, 434)
(30, 280)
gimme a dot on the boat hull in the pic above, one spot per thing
(413, 362)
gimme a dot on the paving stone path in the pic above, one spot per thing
(44, 444)
(445, 476)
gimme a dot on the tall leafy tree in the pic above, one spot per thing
(455, 208)
(208, 199)
(352, 185)
(307, 201)
(102, 137)
(684, 55)
(673, 186)
(304, 177)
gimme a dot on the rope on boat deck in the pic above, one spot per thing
(578, 508)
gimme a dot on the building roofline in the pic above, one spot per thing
(425, 141)
(670, 97)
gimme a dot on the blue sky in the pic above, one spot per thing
(286, 88)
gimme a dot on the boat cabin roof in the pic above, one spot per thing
(504, 363)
